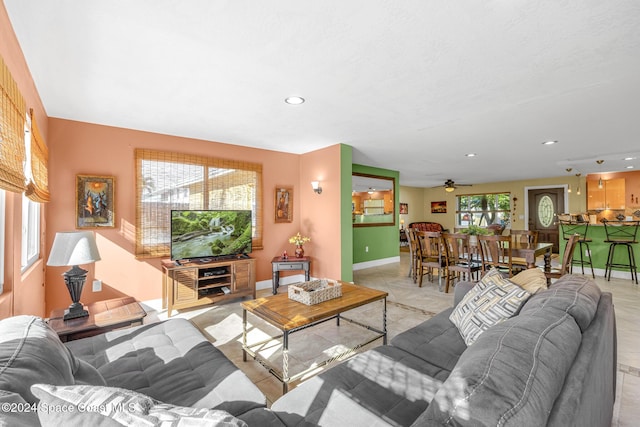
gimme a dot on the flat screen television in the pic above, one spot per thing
(210, 234)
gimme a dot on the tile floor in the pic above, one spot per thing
(411, 304)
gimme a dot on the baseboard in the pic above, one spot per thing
(375, 263)
(267, 284)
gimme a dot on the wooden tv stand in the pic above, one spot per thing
(190, 284)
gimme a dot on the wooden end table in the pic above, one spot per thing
(279, 264)
(103, 316)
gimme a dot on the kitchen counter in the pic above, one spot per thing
(599, 252)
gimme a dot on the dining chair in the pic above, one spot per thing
(495, 251)
(413, 257)
(432, 257)
(529, 237)
(412, 244)
(459, 260)
(567, 258)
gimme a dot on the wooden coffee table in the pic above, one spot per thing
(290, 316)
(103, 316)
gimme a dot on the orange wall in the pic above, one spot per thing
(320, 213)
(83, 148)
(23, 292)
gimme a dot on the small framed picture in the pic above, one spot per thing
(95, 201)
(404, 208)
(439, 207)
(284, 204)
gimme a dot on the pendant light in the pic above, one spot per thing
(569, 186)
(578, 190)
(599, 162)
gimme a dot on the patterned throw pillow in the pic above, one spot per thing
(111, 406)
(491, 301)
(532, 280)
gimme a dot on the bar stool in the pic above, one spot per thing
(621, 233)
(570, 227)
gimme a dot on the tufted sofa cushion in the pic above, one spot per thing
(384, 386)
(31, 352)
(573, 294)
(172, 362)
(436, 341)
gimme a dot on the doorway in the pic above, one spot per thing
(543, 205)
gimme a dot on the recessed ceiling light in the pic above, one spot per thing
(629, 167)
(471, 154)
(629, 158)
(549, 142)
(294, 100)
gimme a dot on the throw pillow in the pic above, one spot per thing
(111, 406)
(491, 301)
(531, 279)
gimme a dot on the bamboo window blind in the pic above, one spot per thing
(167, 181)
(38, 186)
(12, 122)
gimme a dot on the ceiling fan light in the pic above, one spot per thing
(449, 189)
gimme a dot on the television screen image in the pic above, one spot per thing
(210, 233)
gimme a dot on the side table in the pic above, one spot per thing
(279, 264)
(103, 316)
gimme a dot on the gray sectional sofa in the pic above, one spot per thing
(553, 363)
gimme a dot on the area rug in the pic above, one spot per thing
(222, 325)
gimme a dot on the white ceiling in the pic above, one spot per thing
(411, 85)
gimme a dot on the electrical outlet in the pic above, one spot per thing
(366, 248)
(97, 285)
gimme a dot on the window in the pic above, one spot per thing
(166, 181)
(2, 241)
(30, 212)
(30, 232)
(483, 209)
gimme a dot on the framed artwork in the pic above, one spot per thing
(284, 204)
(439, 207)
(95, 201)
(404, 208)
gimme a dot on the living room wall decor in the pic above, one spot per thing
(95, 201)
(404, 208)
(284, 204)
(439, 207)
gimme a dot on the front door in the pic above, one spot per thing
(544, 204)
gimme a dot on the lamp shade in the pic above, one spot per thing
(73, 248)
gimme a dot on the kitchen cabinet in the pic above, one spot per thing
(610, 196)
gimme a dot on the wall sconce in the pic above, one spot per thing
(316, 187)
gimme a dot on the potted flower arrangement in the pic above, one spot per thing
(299, 240)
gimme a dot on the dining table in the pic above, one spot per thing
(530, 252)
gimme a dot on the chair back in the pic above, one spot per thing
(496, 228)
(430, 244)
(529, 237)
(495, 251)
(456, 248)
(570, 226)
(621, 231)
(567, 258)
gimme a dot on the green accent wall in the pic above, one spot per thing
(346, 235)
(382, 241)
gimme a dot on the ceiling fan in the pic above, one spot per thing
(450, 185)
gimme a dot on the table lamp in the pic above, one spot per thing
(71, 248)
